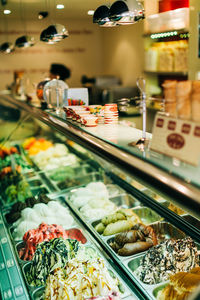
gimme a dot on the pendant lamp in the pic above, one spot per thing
(126, 12)
(25, 41)
(54, 34)
(101, 17)
(7, 47)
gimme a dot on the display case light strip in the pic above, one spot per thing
(164, 34)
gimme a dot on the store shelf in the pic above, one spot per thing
(153, 169)
(167, 34)
(166, 73)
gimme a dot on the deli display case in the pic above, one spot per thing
(131, 218)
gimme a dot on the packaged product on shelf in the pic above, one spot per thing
(181, 285)
(151, 59)
(166, 60)
(140, 238)
(167, 57)
(181, 57)
(168, 258)
(51, 213)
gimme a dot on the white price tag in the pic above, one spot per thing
(177, 138)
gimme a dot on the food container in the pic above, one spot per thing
(80, 116)
(25, 270)
(147, 215)
(38, 294)
(125, 201)
(132, 265)
(158, 289)
(73, 233)
(163, 231)
(35, 182)
(38, 289)
(82, 180)
(42, 189)
(90, 121)
(68, 171)
(170, 20)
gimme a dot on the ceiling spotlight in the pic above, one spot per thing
(60, 6)
(7, 11)
(90, 12)
(101, 17)
(7, 47)
(25, 41)
(42, 15)
(126, 12)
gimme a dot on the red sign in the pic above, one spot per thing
(175, 141)
(160, 123)
(197, 131)
(171, 125)
(186, 128)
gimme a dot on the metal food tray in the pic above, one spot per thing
(120, 199)
(38, 290)
(125, 201)
(163, 230)
(81, 170)
(146, 215)
(132, 265)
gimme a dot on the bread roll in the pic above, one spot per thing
(183, 94)
(196, 101)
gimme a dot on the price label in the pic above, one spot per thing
(177, 138)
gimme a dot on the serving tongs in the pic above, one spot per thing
(140, 102)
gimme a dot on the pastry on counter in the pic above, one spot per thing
(196, 100)
(170, 97)
(140, 238)
(183, 98)
(181, 285)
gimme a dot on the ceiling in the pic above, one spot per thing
(73, 8)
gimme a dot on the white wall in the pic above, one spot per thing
(123, 52)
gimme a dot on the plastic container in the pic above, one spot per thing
(169, 20)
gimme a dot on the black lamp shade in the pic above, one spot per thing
(126, 12)
(53, 34)
(7, 47)
(24, 41)
(101, 17)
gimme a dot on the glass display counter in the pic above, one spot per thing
(94, 173)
